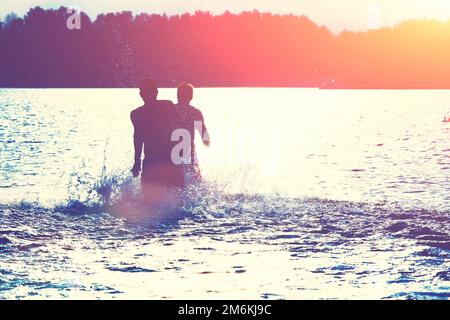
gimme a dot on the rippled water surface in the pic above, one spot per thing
(307, 194)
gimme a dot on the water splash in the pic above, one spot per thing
(103, 216)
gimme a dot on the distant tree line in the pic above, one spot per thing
(246, 49)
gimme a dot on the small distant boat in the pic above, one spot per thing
(446, 120)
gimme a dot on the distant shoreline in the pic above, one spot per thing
(252, 49)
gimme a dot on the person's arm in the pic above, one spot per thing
(138, 144)
(204, 131)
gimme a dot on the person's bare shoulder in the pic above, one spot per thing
(136, 113)
(197, 114)
(165, 103)
(138, 110)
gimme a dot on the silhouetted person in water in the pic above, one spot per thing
(153, 125)
(191, 119)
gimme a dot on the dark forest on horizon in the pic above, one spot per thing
(246, 49)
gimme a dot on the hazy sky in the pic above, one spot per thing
(335, 14)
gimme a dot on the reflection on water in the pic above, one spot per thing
(228, 247)
(361, 146)
(352, 202)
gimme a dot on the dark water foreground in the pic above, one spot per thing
(226, 246)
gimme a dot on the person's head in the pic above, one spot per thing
(185, 93)
(148, 90)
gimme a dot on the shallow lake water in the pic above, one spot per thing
(307, 194)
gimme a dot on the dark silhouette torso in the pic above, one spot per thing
(187, 116)
(154, 124)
